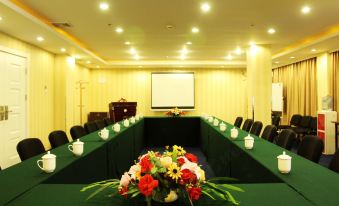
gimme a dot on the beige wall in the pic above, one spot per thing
(40, 87)
(219, 92)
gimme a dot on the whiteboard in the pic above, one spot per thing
(277, 97)
(172, 90)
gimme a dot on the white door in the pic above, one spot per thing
(13, 103)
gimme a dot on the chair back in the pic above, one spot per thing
(238, 122)
(286, 139)
(256, 128)
(313, 126)
(100, 123)
(90, 127)
(275, 120)
(57, 138)
(305, 121)
(77, 131)
(295, 120)
(311, 148)
(334, 164)
(247, 125)
(108, 121)
(30, 147)
(269, 133)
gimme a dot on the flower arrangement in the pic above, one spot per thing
(175, 112)
(166, 177)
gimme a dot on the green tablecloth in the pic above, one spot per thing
(70, 195)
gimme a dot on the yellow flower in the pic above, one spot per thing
(180, 151)
(174, 172)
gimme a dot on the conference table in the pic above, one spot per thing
(255, 170)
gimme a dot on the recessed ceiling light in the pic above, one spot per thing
(132, 51)
(104, 6)
(195, 29)
(251, 43)
(238, 51)
(63, 50)
(306, 10)
(229, 57)
(88, 62)
(313, 50)
(119, 30)
(292, 57)
(205, 7)
(184, 51)
(136, 57)
(128, 43)
(0, 18)
(271, 31)
(276, 62)
(188, 43)
(40, 38)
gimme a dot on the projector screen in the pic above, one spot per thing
(173, 90)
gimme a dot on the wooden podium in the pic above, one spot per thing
(122, 110)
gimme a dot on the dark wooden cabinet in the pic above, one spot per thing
(122, 110)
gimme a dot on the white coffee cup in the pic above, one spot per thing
(210, 119)
(234, 133)
(48, 162)
(132, 120)
(137, 117)
(104, 133)
(77, 148)
(116, 127)
(284, 163)
(126, 123)
(249, 142)
(141, 115)
(216, 122)
(222, 126)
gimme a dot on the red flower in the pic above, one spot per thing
(147, 184)
(181, 161)
(188, 177)
(123, 191)
(146, 165)
(191, 157)
(194, 192)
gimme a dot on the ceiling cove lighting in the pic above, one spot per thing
(104, 6)
(305, 10)
(205, 7)
(195, 30)
(63, 50)
(40, 38)
(271, 31)
(119, 30)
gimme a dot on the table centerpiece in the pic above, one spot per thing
(175, 112)
(165, 177)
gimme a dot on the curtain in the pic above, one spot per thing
(300, 88)
(334, 78)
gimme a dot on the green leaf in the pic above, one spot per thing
(231, 198)
(207, 194)
(222, 179)
(231, 187)
(97, 191)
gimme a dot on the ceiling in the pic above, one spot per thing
(228, 25)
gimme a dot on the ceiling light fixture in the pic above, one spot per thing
(238, 51)
(127, 43)
(276, 62)
(195, 30)
(271, 31)
(189, 43)
(63, 50)
(229, 57)
(40, 38)
(104, 6)
(0, 18)
(251, 43)
(292, 57)
(132, 51)
(306, 10)
(183, 57)
(184, 51)
(136, 57)
(119, 30)
(313, 50)
(205, 7)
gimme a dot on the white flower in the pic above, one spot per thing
(134, 170)
(200, 174)
(166, 161)
(189, 165)
(125, 179)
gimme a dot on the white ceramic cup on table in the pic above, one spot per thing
(104, 134)
(77, 148)
(249, 142)
(234, 133)
(116, 127)
(284, 163)
(48, 162)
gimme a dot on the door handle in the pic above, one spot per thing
(2, 113)
(6, 112)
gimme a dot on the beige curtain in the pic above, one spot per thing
(300, 88)
(334, 78)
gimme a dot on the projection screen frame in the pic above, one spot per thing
(165, 108)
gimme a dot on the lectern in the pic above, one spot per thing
(121, 110)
